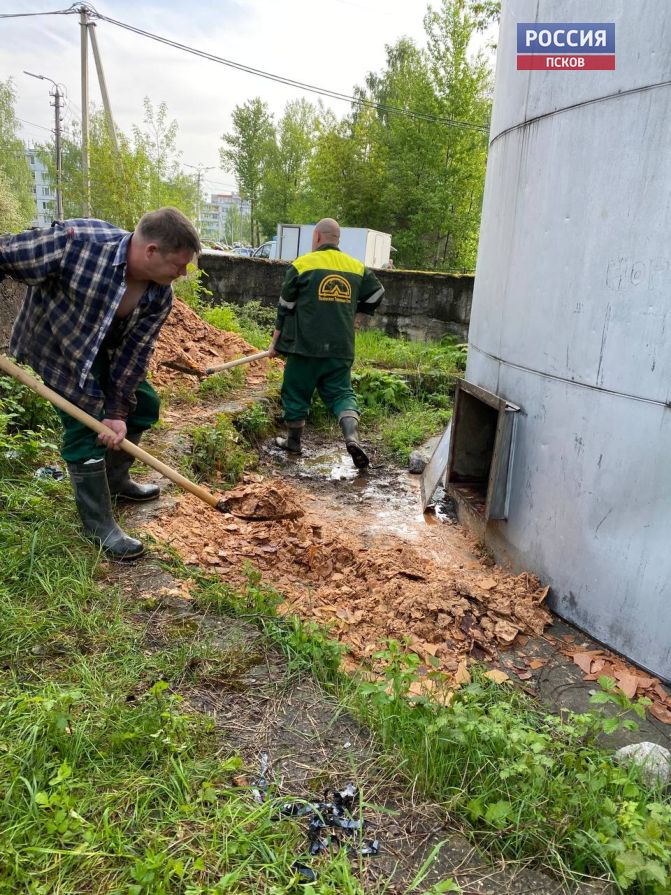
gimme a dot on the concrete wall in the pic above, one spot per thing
(417, 305)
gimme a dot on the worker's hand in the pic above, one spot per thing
(272, 351)
(120, 430)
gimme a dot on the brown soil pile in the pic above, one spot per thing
(187, 345)
(366, 593)
(263, 502)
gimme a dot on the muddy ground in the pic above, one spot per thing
(260, 707)
(358, 556)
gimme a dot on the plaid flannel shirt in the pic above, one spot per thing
(76, 271)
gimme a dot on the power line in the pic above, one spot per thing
(33, 124)
(311, 88)
(360, 101)
(26, 15)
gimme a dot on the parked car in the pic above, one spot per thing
(243, 251)
(266, 250)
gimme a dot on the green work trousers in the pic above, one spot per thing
(330, 376)
(81, 443)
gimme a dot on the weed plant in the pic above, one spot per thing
(191, 289)
(217, 452)
(255, 422)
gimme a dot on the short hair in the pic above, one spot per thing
(171, 230)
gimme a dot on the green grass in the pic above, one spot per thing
(111, 782)
(374, 348)
(402, 433)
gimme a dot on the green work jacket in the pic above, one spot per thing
(320, 296)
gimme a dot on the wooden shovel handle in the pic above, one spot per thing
(217, 368)
(7, 366)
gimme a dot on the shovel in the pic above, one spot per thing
(217, 368)
(7, 366)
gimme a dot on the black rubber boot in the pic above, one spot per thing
(118, 465)
(292, 443)
(349, 425)
(92, 496)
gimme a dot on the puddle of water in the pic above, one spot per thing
(384, 500)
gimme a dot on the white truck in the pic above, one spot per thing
(371, 247)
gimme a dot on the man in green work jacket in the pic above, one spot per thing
(322, 295)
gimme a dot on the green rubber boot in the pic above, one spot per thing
(349, 425)
(292, 443)
(92, 496)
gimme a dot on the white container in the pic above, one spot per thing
(371, 247)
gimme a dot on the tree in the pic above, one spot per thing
(17, 182)
(236, 223)
(11, 217)
(286, 168)
(250, 146)
(463, 85)
(167, 186)
(419, 176)
(143, 175)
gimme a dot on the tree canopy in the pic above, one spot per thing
(409, 158)
(17, 203)
(143, 175)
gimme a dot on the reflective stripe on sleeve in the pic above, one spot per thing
(374, 297)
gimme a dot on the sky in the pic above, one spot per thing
(330, 44)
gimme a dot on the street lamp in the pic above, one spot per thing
(57, 95)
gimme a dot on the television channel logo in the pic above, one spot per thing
(562, 46)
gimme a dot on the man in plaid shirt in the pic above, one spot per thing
(98, 297)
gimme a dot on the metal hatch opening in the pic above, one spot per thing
(481, 451)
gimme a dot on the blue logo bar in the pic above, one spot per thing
(577, 38)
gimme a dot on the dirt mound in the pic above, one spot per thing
(366, 593)
(263, 502)
(187, 345)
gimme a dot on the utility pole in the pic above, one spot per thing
(103, 87)
(200, 169)
(84, 23)
(57, 95)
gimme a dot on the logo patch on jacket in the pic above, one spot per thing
(335, 288)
